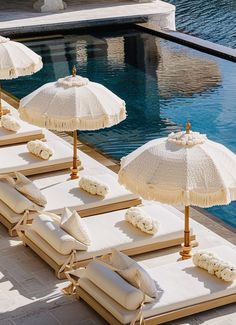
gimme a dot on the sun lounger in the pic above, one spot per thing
(26, 133)
(108, 231)
(184, 289)
(61, 192)
(69, 194)
(17, 158)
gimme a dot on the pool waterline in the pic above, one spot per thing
(163, 84)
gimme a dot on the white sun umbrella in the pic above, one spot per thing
(70, 104)
(185, 168)
(16, 60)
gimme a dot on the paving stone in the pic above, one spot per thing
(6, 322)
(72, 313)
(37, 319)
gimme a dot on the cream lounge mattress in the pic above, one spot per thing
(111, 230)
(26, 130)
(68, 194)
(17, 158)
(180, 284)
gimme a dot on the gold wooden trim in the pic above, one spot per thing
(109, 207)
(161, 318)
(21, 139)
(45, 169)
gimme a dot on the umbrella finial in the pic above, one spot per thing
(74, 71)
(188, 127)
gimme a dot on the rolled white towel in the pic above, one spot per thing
(10, 123)
(93, 186)
(213, 265)
(140, 219)
(40, 149)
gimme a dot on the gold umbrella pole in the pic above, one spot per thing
(74, 169)
(186, 246)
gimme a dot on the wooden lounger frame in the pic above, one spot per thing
(130, 252)
(161, 318)
(45, 169)
(22, 139)
(83, 213)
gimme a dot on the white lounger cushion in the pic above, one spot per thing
(17, 158)
(24, 131)
(116, 287)
(111, 230)
(15, 200)
(12, 216)
(181, 284)
(49, 229)
(69, 194)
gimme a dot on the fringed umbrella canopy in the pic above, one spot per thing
(72, 103)
(185, 168)
(17, 60)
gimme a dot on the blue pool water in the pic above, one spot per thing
(213, 20)
(163, 84)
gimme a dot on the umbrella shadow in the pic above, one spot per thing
(29, 157)
(85, 196)
(131, 231)
(210, 282)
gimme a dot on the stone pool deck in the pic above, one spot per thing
(30, 294)
(19, 17)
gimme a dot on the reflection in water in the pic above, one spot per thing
(185, 75)
(162, 83)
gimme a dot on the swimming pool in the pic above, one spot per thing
(163, 84)
(212, 20)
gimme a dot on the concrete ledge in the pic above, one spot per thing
(81, 14)
(193, 42)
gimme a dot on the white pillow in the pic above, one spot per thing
(114, 286)
(40, 149)
(29, 189)
(48, 227)
(10, 123)
(132, 272)
(93, 186)
(15, 200)
(215, 266)
(72, 223)
(141, 220)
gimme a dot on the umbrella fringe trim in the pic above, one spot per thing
(18, 72)
(178, 196)
(63, 124)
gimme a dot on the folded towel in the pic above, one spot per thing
(215, 266)
(93, 186)
(10, 123)
(40, 149)
(140, 219)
